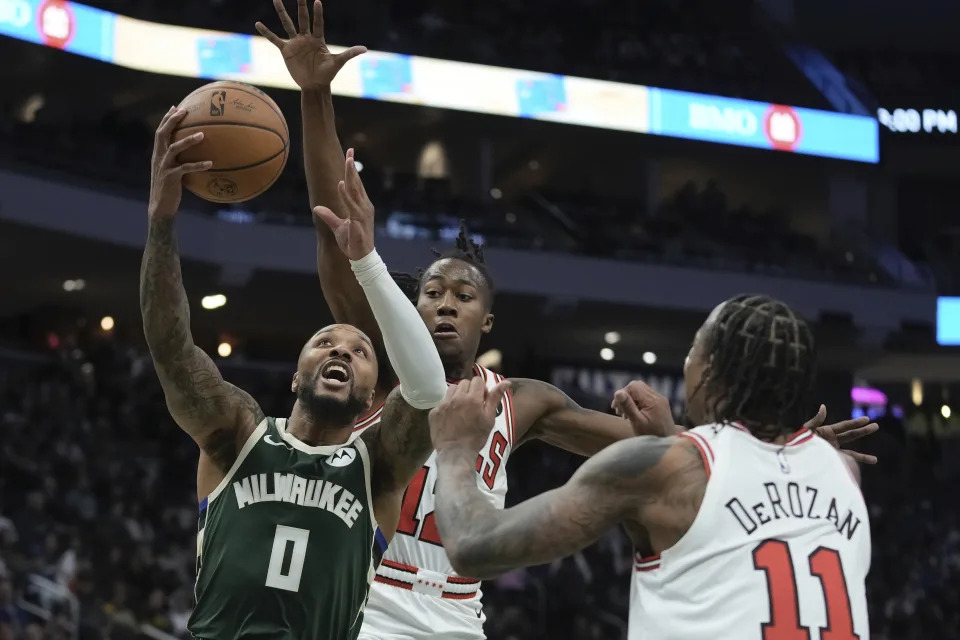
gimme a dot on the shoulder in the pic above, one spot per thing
(645, 460)
(527, 391)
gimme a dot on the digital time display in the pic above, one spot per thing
(919, 120)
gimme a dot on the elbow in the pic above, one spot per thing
(467, 559)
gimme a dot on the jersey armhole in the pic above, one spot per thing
(703, 447)
(241, 456)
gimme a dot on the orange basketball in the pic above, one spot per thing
(245, 136)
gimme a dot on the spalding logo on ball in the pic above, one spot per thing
(245, 136)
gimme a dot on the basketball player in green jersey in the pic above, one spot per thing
(289, 539)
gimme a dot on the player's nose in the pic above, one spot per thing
(341, 352)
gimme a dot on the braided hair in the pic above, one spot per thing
(761, 366)
(464, 249)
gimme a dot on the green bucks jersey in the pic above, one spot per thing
(288, 543)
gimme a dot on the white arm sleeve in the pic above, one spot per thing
(409, 346)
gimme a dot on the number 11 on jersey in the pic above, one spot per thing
(773, 558)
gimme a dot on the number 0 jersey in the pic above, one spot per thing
(288, 542)
(780, 548)
(416, 546)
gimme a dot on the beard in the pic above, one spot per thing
(328, 409)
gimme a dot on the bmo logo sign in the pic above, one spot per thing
(56, 23)
(782, 127)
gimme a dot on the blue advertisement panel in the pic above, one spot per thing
(763, 125)
(224, 55)
(384, 75)
(948, 321)
(541, 94)
(57, 23)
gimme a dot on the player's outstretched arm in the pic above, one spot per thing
(313, 67)
(211, 410)
(483, 541)
(401, 443)
(545, 413)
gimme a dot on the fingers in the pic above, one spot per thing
(330, 218)
(818, 419)
(495, 395)
(628, 408)
(847, 425)
(195, 167)
(351, 178)
(448, 396)
(318, 19)
(284, 18)
(274, 39)
(344, 57)
(178, 147)
(862, 458)
(303, 17)
(167, 125)
(850, 434)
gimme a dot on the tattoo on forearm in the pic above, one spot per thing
(490, 541)
(200, 400)
(163, 301)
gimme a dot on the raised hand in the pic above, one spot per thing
(305, 51)
(648, 412)
(842, 433)
(466, 415)
(166, 172)
(354, 233)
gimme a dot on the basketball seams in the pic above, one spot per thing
(238, 176)
(269, 183)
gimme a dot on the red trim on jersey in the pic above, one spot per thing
(648, 563)
(399, 566)
(480, 371)
(370, 418)
(461, 580)
(393, 583)
(409, 587)
(706, 453)
(800, 436)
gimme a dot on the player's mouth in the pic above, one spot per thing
(445, 331)
(336, 374)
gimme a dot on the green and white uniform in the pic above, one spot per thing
(288, 543)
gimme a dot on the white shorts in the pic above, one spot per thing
(394, 613)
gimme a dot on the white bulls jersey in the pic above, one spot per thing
(779, 550)
(416, 593)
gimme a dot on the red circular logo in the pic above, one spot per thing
(782, 126)
(56, 23)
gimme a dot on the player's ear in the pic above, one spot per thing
(369, 401)
(487, 326)
(294, 383)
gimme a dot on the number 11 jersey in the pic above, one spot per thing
(779, 550)
(288, 543)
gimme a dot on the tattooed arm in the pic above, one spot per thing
(399, 445)
(545, 413)
(616, 485)
(216, 414)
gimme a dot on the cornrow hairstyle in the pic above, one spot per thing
(464, 249)
(762, 366)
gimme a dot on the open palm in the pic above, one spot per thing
(305, 52)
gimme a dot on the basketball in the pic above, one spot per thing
(245, 136)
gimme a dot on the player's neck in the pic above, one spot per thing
(459, 369)
(313, 431)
